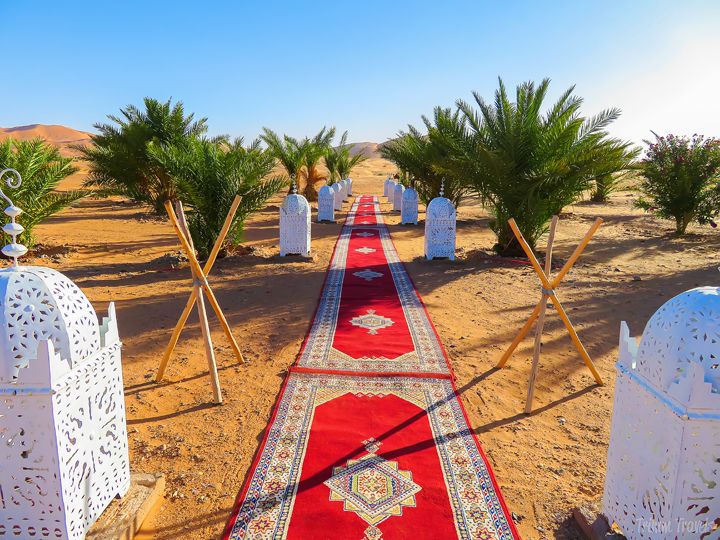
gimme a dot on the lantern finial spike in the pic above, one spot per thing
(442, 187)
(13, 180)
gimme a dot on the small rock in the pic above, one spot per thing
(637, 278)
(562, 420)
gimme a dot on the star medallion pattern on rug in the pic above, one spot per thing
(312, 478)
(372, 487)
(368, 275)
(372, 322)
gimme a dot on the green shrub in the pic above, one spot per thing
(119, 161)
(681, 179)
(339, 162)
(42, 168)
(208, 174)
(301, 158)
(425, 159)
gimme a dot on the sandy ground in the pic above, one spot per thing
(545, 463)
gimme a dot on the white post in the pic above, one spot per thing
(63, 434)
(440, 224)
(295, 226)
(663, 479)
(326, 205)
(409, 209)
(397, 197)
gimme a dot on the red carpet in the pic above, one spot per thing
(369, 440)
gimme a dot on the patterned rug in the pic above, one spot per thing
(369, 440)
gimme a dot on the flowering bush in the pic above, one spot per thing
(681, 179)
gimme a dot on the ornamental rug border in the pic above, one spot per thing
(318, 353)
(266, 503)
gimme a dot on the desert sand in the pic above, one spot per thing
(545, 463)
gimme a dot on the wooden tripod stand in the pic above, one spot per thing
(201, 287)
(548, 293)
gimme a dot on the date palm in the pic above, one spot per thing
(42, 169)
(425, 156)
(316, 148)
(120, 163)
(301, 158)
(208, 174)
(287, 150)
(339, 162)
(529, 164)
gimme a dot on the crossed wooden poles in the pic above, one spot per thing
(201, 287)
(548, 293)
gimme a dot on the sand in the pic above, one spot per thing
(545, 463)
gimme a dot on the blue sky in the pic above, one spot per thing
(370, 67)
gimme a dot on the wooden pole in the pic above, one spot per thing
(530, 255)
(193, 297)
(521, 335)
(576, 254)
(541, 319)
(176, 335)
(202, 314)
(576, 340)
(549, 293)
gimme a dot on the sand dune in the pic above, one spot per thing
(61, 136)
(367, 149)
(58, 135)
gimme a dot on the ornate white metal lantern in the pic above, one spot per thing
(344, 189)
(409, 207)
(349, 184)
(397, 197)
(295, 225)
(387, 187)
(337, 192)
(663, 472)
(326, 204)
(440, 224)
(63, 435)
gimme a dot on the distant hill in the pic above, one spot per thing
(61, 136)
(367, 149)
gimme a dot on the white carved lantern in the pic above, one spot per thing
(63, 436)
(409, 209)
(397, 197)
(349, 185)
(344, 189)
(663, 469)
(337, 192)
(295, 225)
(387, 186)
(326, 204)
(440, 222)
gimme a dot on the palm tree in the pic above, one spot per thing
(208, 174)
(120, 163)
(42, 169)
(315, 150)
(529, 164)
(339, 162)
(301, 159)
(287, 150)
(425, 157)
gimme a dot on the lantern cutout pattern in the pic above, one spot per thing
(326, 204)
(663, 479)
(295, 225)
(440, 228)
(409, 207)
(63, 433)
(397, 197)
